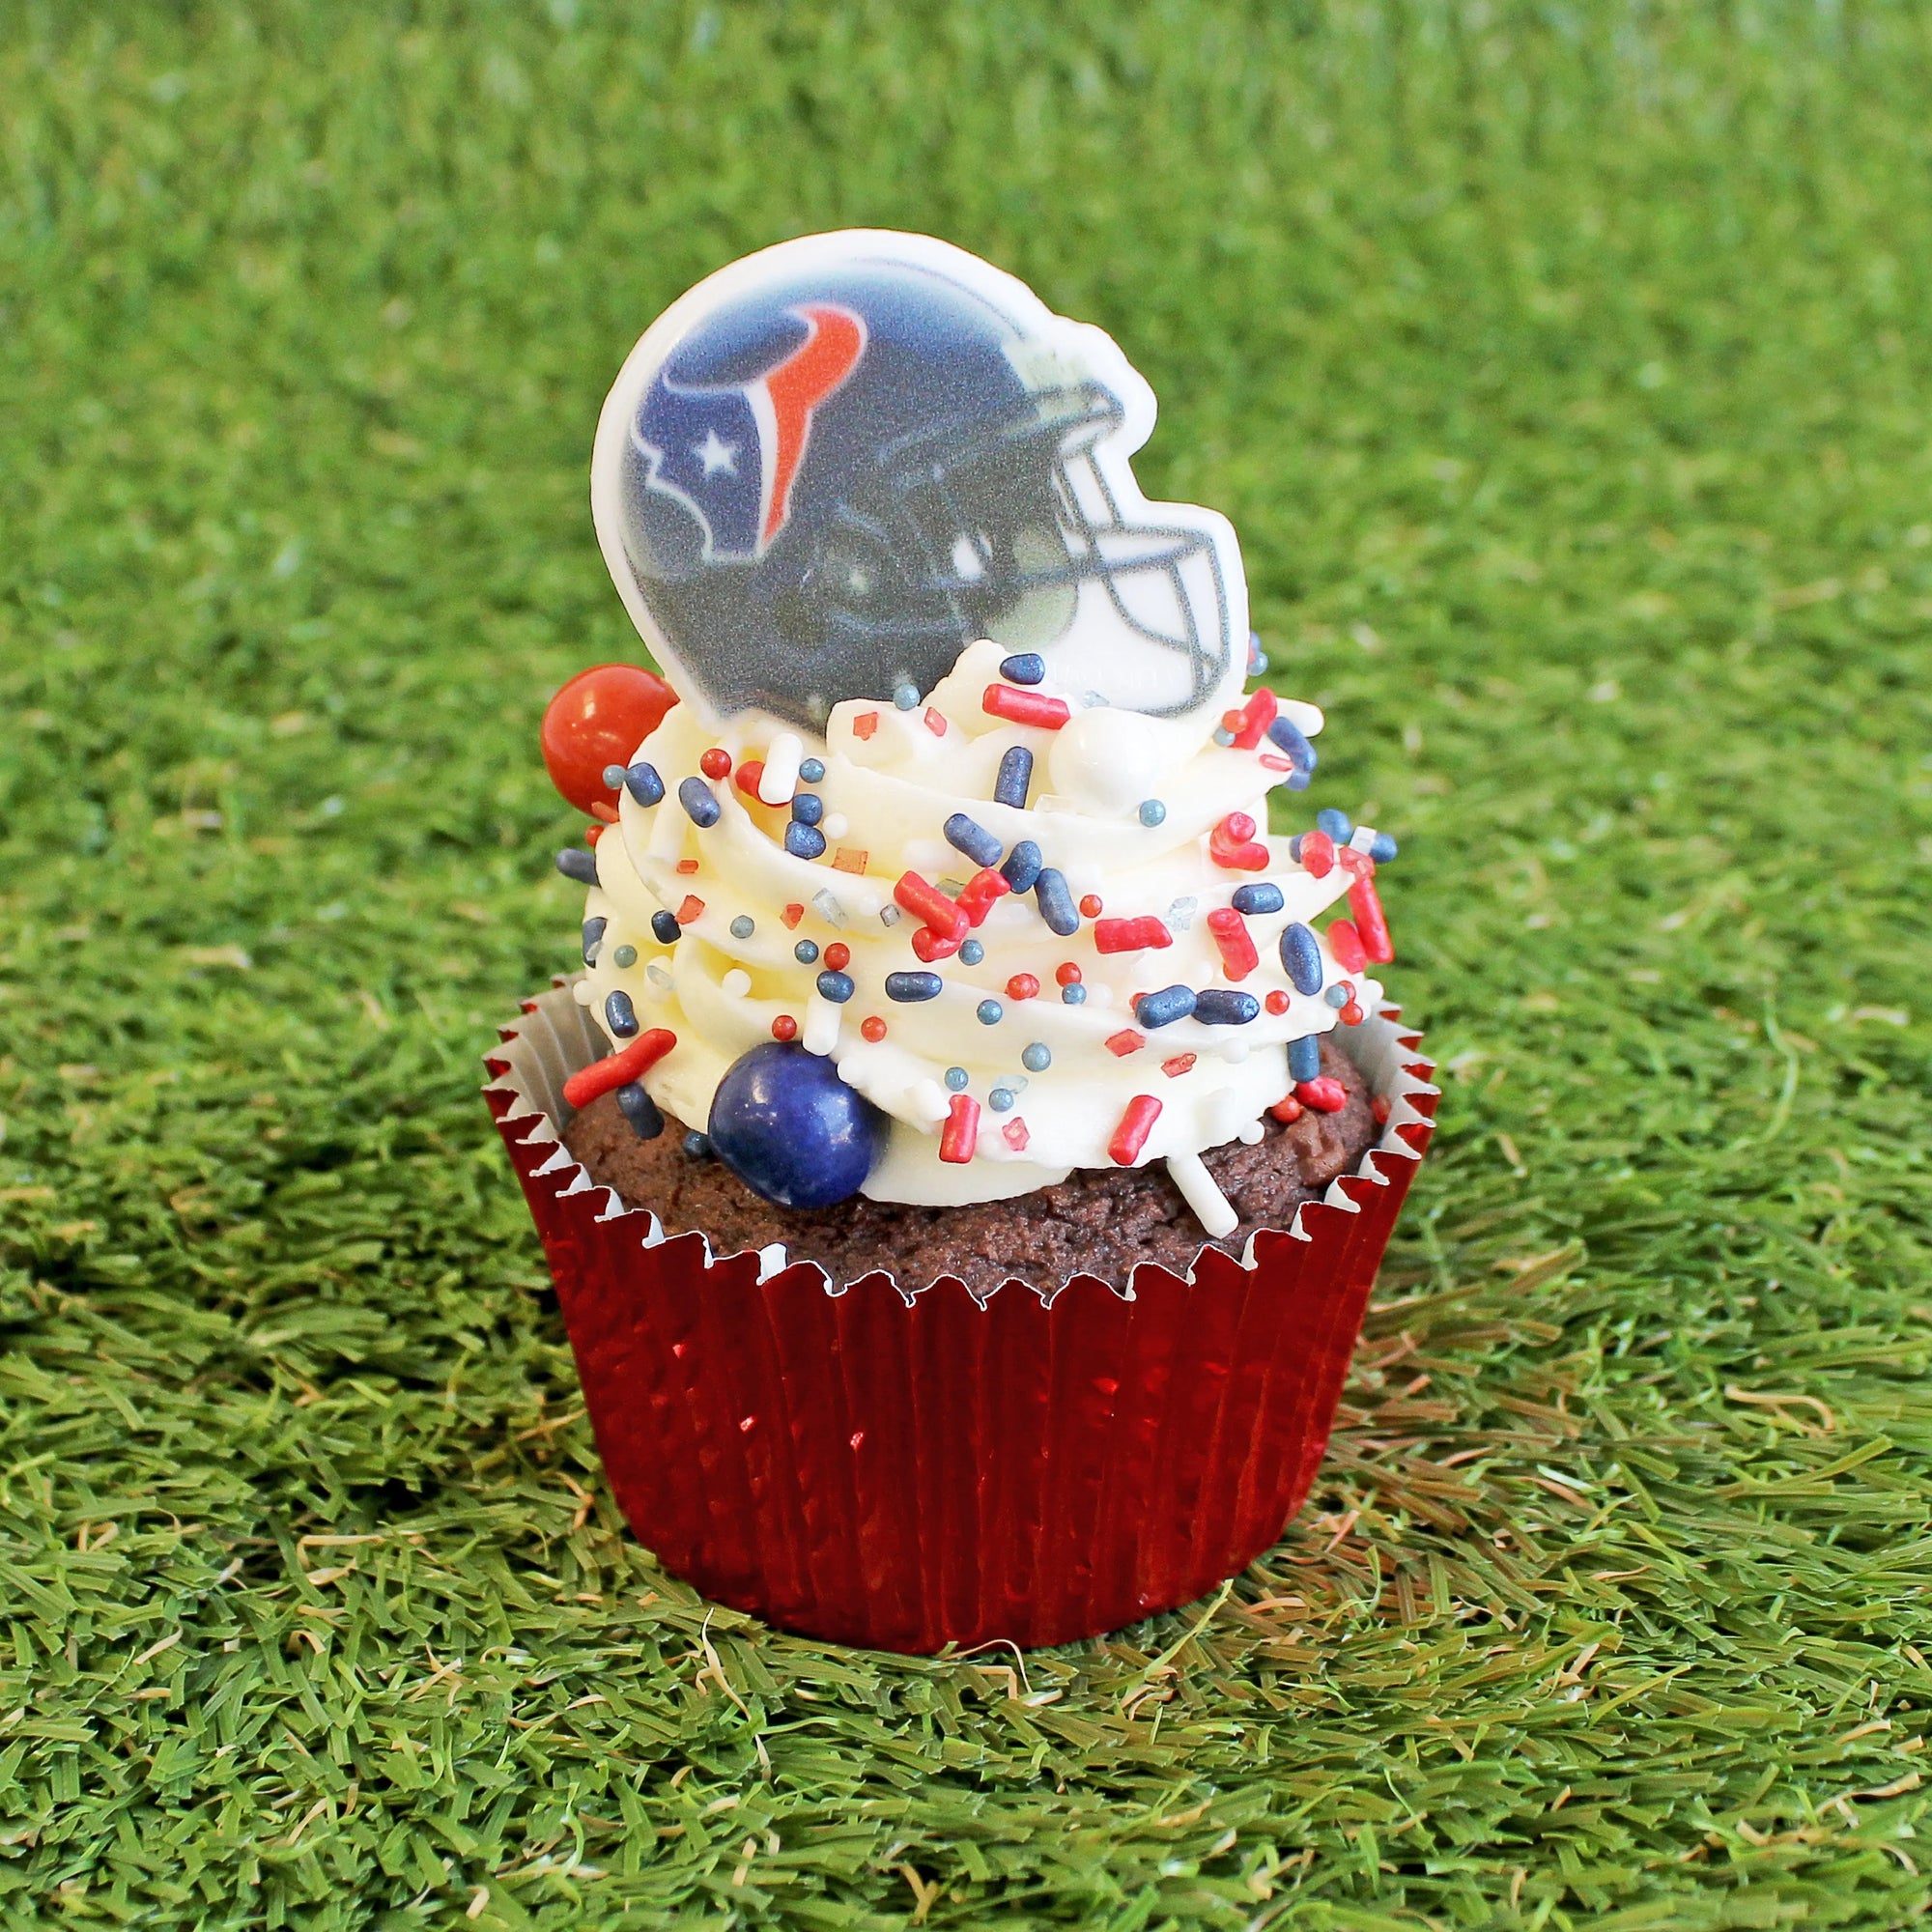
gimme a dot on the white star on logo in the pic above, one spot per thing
(715, 454)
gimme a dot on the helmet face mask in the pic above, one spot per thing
(831, 467)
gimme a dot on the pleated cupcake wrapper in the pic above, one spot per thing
(902, 1465)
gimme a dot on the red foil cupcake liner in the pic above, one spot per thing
(902, 1471)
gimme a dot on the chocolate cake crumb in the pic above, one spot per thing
(1099, 1221)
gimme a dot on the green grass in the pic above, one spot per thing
(1568, 371)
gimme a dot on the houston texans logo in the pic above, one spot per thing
(730, 452)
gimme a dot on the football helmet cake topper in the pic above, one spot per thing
(833, 465)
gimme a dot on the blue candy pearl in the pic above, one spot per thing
(957, 1078)
(970, 952)
(1000, 1100)
(806, 952)
(906, 697)
(990, 1012)
(1074, 995)
(791, 1130)
(625, 956)
(696, 1146)
(743, 927)
(811, 770)
(1036, 1059)
(1152, 811)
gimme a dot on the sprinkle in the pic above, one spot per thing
(970, 952)
(635, 1061)
(715, 763)
(888, 915)
(1074, 994)
(811, 770)
(660, 978)
(697, 1145)
(1276, 1002)
(736, 984)
(850, 860)
(624, 955)
(837, 956)
(1339, 994)
(1024, 707)
(1256, 899)
(1163, 1009)
(593, 833)
(808, 808)
(1014, 1134)
(643, 782)
(1023, 667)
(791, 915)
(1001, 1100)
(1152, 811)
(1294, 741)
(784, 1027)
(1287, 1110)
(687, 866)
(1015, 777)
(690, 910)
(743, 925)
(1125, 1041)
(925, 902)
(593, 935)
(821, 1026)
(1090, 906)
(873, 1028)
(957, 1079)
(838, 988)
(1233, 940)
(1131, 935)
(909, 988)
(1216, 1005)
(1345, 944)
(613, 778)
(1367, 906)
(1132, 1135)
(929, 945)
(967, 835)
(804, 842)
(1174, 1068)
(806, 952)
(905, 696)
(1256, 657)
(578, 866)
(1352, 1014)
(1022, 986)
(1067, 973)
(1253, 718)
(1023, 867)
(699, 801)
(1301, 957)
(935, 722)
(1305, 1057)
(640, 1110)
(1189, 1172)
(1316, 851)
(865, 725)
(748, 775)
(1324, 1095)
(1223, 736)
(977, 896)
(961, 1132)
(1383, 848)
(989, 1013)
(665, 928)
(1336, 824)
(1054, 901)
(619, 1016)
(1232, 845)
(829, 909)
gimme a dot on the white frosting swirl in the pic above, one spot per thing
(891, 779)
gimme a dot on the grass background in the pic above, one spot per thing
(1568, 371)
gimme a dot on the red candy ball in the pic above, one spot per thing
(1090, 907)
(716, 763)
(873, 1028)
(1067, 973)
(1022, 986)
(784, 1027)
(598, 719)
(837, 956)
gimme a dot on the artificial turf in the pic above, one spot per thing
(1568, 372)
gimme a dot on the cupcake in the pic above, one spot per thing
(965, 1151)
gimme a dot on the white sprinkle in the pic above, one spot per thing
(1198, 1190)
(1234, 1052)
(660, 978)
(780, 777)
(820, 1033)
(1361, 838)
(737, 983)
(888, 915)
(927, 1101)
(829, 909)
(1181, 915)
(584, 992)
(835, 825)
(1251, 1134)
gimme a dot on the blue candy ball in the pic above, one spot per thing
(791, 1130)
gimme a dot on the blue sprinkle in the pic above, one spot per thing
(1383, 849)
(911, 987)
(593, 935)
(1023, 667)
(640, 1110)
(1337, 824)
(1257, 900)
(808, 808)
(1297, 780)
(1222, 735)
(1295, 849)
(970, 952)
(1001, 1100)
(665, 928)
(1015, 777)
(968, 836)
(625, 956)
(743, 925)
(1022, 867)
(1219, 1006)
(1304, 1058)
(620, 1016)
(804, 842)
(644, 784)
(1037, 1058)
(697, 1147)
(1074, 995)
(1290, 739)
(811, 770)
(1339, 994)
(699, 803)
(1056, 902)
(577, 864)
(1152, 811)
(1163, 1009)
(990, 1012)
(806, 952)
(613, 778)
(838, 988)
(1258, 661)
(1301, 958)
(957, 1078)
(906, 697)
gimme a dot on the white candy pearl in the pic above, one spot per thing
(1105, 760)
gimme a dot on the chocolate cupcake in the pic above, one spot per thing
(941, 989)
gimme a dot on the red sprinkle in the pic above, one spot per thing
(1253, 719)
(1345, 944)
(1380, 1108)
(692, 909)
(619, 1070)
(1022, 986)
(1239, 958)
(1090, 907)
(1129, 935)
(931, 945)
(1014, 1134)
(837, 956)
(1276, 1002)
(593, 833)
(1365, 902)
(1271, 764)
(687, 866)
(1317, 854)
(1124, 1043)
(1325, 1095)
(925, 902)
(935, 722)
(865, 725)
(1024, 707)
(715, 762)
(1136, 1125)
(784, 1027)
(1234, 846)
(961, 1133)
(871, 1026)
(1352, 1014)
(1357, 864)
(605, 814)
(1287, 1110)
(1174, 1068)
(791, 916)
(1067, 973)
(748, 775)
(978, 896)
